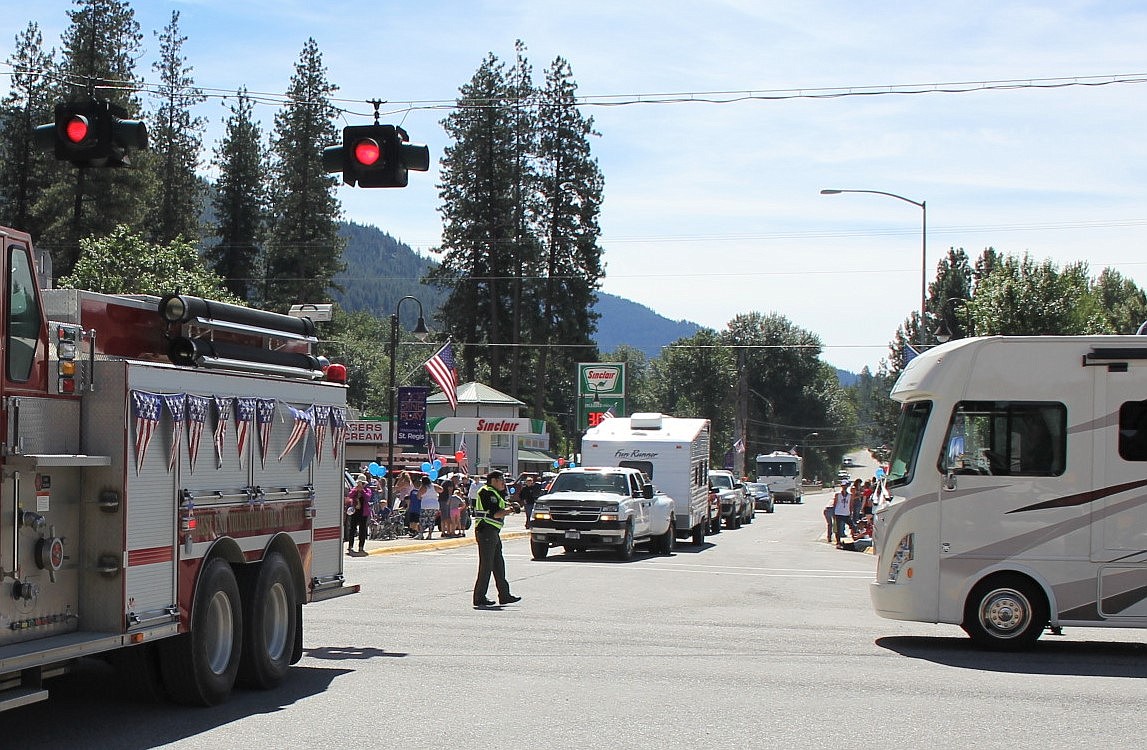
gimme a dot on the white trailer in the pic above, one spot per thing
(673, 452)
(781, 471)
(1019, 475)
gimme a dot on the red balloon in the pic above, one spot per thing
(459, 457)
(561, 462)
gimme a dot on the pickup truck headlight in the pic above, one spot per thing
(541, 513)
(608, 517)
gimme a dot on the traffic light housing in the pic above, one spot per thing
(374, 156)
(92, 133)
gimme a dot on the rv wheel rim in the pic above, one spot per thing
(1005, 612)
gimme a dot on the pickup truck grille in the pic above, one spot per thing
(575, 514)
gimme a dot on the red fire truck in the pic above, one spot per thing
(170, 486)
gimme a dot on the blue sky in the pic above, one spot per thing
(712, 210)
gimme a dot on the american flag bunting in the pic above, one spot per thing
(264, 415)
(244, 416)
(176, 404)
(145, 408)
(222, 417)
(338, 418)
(196, 419)
(322, 422)
(304, 420)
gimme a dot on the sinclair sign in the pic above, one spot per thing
(601, 379)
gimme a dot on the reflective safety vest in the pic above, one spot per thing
(489, 501)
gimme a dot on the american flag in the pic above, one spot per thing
(304, 420)
(264, 415)
(338, 417)
(197, 417)
(443, 372)
(222, 417)
(430, 452)
(322, 422)
(145, 409)
(244, 415)
(739, 446)
(176, 403)
(609, 413)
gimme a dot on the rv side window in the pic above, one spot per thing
(23, 316)
(1006, 438)
(1133, 431)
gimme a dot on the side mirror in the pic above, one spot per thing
(647, 491)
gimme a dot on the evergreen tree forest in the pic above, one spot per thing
(515, 281)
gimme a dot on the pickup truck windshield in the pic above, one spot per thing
(614, 484)
(721, 481)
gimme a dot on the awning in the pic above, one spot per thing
(529, 455)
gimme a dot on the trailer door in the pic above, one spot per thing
(1120, 508)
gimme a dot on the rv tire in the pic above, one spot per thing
(1005, 613)
(699, 533)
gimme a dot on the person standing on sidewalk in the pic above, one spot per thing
(489, 511)
(842, 512)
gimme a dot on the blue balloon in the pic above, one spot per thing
(373, 469)
(513, 490)
(437, 464)
(433, 474)
(880, 473)
(555, 464)
(426, 467)
(572, 465)
(381, 471)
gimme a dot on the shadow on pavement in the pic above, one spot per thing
(1047, 657)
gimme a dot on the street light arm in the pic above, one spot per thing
(918, 204)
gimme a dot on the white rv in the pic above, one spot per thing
(672, 452)
(1019, 482)
(781, 471)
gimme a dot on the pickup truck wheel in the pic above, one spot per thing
(715, 526)
(751, 514)
(733, 521)
(539, 550)
(664, 544)
(699, 533)
(625, 551)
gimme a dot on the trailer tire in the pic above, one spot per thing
(1005, 613)
(699, 533)
(199, 667)
(269, 623)
(539, 550)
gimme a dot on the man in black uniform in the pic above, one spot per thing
(489, 510)
(529, 494)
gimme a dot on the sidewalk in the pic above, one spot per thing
(514, 528)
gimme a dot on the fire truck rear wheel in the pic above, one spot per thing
(199, 667)
(268, 622)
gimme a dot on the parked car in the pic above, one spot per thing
(736, 508)
(843, 476)
(762, 496)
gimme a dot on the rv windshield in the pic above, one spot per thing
(776, 468)
(909, 434)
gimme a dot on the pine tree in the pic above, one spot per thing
(304, 249)
(100, 48)
(240, 201)
(176, 139)
(25, 170)
(571, 187)
(477, 195)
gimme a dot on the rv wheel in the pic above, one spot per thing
(1005, 613)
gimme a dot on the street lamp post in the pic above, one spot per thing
(923, 205)
(420, 332)
(943, 333)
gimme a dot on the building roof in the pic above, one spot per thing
(477, 393)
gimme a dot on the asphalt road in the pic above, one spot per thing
(762, 639)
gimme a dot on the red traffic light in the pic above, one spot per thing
(76, 129)
(367, 152)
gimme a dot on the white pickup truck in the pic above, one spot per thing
(612, 507)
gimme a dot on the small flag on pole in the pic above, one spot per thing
(609, 413)
(739, 446)
(463, 459)
(443, 372)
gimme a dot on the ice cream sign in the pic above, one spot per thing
(599, 379)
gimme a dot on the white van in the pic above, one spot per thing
(1019, 482)
(673, 452)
